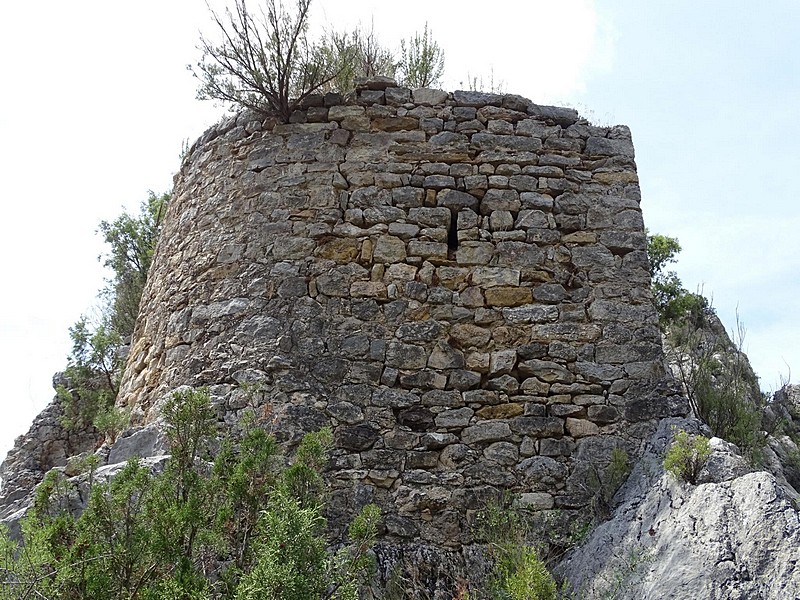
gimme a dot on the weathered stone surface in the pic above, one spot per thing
(456, 200)
(428, 96)
(508, 296)
(535, 501)
(538, 426)
(454, 418)
(466, 335)
(474, 253)
(389, 249)
(453, 283)
(444, 356)
(486, 431)
(738, 538)
(578, 428)
(501, 411)
(548, 371)
(357, 437)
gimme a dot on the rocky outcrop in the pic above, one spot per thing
(46, 445)
(736, 535)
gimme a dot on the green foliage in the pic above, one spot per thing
(93, 371)
(357, 54)
(95, 364)
(291, 554)
(721, 387)
(518, 573)
(132, 241)
(687, 456)
(241, 527)
(526, 578)
(421, 61)
(605, 483)
(661, 251)
(265, 60)
(112, 421)
(673, 302)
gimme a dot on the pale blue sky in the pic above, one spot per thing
(97, 102)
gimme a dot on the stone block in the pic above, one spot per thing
(394, 124)
(461, 379)
(538, 426)
(502, 362)
(545, 370)
(508, 296)
(579, 428)
(406, 356)
(356, 438)
(503, 453)
(535, 501)
(368, 289)
(501, 220)
(566, 410)
(450, 398)
(488, 277)
(455, 200)
(486, 431)
(429, 97)
(393, 398)
(603, 414)
(474, 253)
(505, 383)
(444, 356)
(389, 249)
(496, 199)
(337, 113)
(501, 411)
(407, 197)
(481, 397)
(471, 297)
(530, 314)
(439, 182)
(467, 335)
(436, 250)
(455, 418)
(431, 217)
(597, 146)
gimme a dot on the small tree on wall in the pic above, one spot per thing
(265, 60)
(421, 60)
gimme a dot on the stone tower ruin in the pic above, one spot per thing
(455, 283)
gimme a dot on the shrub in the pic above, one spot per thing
(95, 364)
(721, 387)
(421, 60)
(265, 60)
(518, 572)
(357, 54)
(687, 456)
(529, 579)
(240, 528)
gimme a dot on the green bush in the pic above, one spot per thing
(421, 61)
(528, 579)
(95, 364)
(687, 456)
(234, 525)
(518, 572)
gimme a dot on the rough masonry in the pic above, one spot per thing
(455, 283)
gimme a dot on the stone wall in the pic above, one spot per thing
(456, 283)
